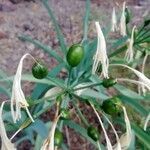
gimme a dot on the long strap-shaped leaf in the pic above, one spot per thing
(86, 19)
(41, 46)
(57, 29)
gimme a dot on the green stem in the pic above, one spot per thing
(80, 114)
(88, 86)
(69, 76)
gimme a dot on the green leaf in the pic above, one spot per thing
(39, 127)
(127, 92)
(82, 131)
(41, 46)
(29, 77)
(134, 104)
(141, 135)
(118, 51)
(86, 19)
(4, 75)
(5, 91)
(57, 29)
(139, 132)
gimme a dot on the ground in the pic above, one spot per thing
(29, 17)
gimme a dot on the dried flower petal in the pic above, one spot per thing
(114, 21)
(123, 21)
(6, 143)
(18, 98)
(118, 145)
(109, 146)
(146, 121)
(101, 54)
(129, 52)
(49, 142)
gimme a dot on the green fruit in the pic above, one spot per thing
(58, 138)
(75, 55)
(64, 114)
(112, 106)
(93, 133)
(127, 15)
(39, 71)
(109, 82)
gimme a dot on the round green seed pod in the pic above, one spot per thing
(93, 133)
(112, 106)
(109, 82)
(64, 114)
(58, 138)
(75, 55)
(39, 70)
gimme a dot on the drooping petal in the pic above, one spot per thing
(126, 138)
(129, 53)
(118, 145)
(18, 97)
(101, 54)
(141, 76)
(146, 121)
(49, 142)
(123, 21)
(6, 144)
(109, 146)
(141, 88)
(114, 21)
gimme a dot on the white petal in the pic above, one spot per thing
(126, 138)
(101, 54)
(49, 142)
(18, 97)
(146, 121)
(109, 146)
(6, 143)
(129, 52)
(141, 76)
(114, 21)
(118, 145)
(123, 21)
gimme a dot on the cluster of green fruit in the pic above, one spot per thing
(111, 106)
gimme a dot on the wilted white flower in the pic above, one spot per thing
(6, 144)
(114, 21)
(141, 88)
(109, 146)
(143, 79)
(146, 121)
(126, 138)
(49, 142)
(18, 97)
(118, 145)
(129, 52)
(101, 54)
(123, 21)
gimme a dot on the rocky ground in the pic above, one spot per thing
(29, 17)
